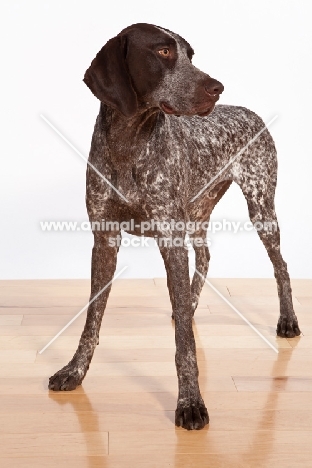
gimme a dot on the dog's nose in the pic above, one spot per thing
(214, 87)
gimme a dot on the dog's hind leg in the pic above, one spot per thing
(165, 255)
(260, 200)
(104, 257)
(202, 257)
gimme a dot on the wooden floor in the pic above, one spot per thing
(260, 402)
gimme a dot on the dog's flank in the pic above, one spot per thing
(159, 141)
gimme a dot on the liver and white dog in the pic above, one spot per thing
(159, 140)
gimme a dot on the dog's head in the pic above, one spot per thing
(147, 66)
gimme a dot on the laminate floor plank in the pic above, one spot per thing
(122, 416)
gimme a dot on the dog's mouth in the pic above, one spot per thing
(168, 109)
(206, 111)
(201, 111)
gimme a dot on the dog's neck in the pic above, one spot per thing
(127, 137)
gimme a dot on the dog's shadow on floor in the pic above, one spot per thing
(96, 447)
(88, 416)
(262, 438)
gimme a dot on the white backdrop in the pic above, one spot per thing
(260, 51)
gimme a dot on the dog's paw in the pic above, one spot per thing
(68, 378)
(191, 417)
(287, 327)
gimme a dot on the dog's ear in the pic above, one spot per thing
(109, 79)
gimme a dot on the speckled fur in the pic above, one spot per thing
(160, 161)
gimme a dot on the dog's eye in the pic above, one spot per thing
(165, 52)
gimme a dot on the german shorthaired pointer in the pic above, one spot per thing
(159, 139)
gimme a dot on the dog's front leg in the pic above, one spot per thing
(104, 256)
(191, 412)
